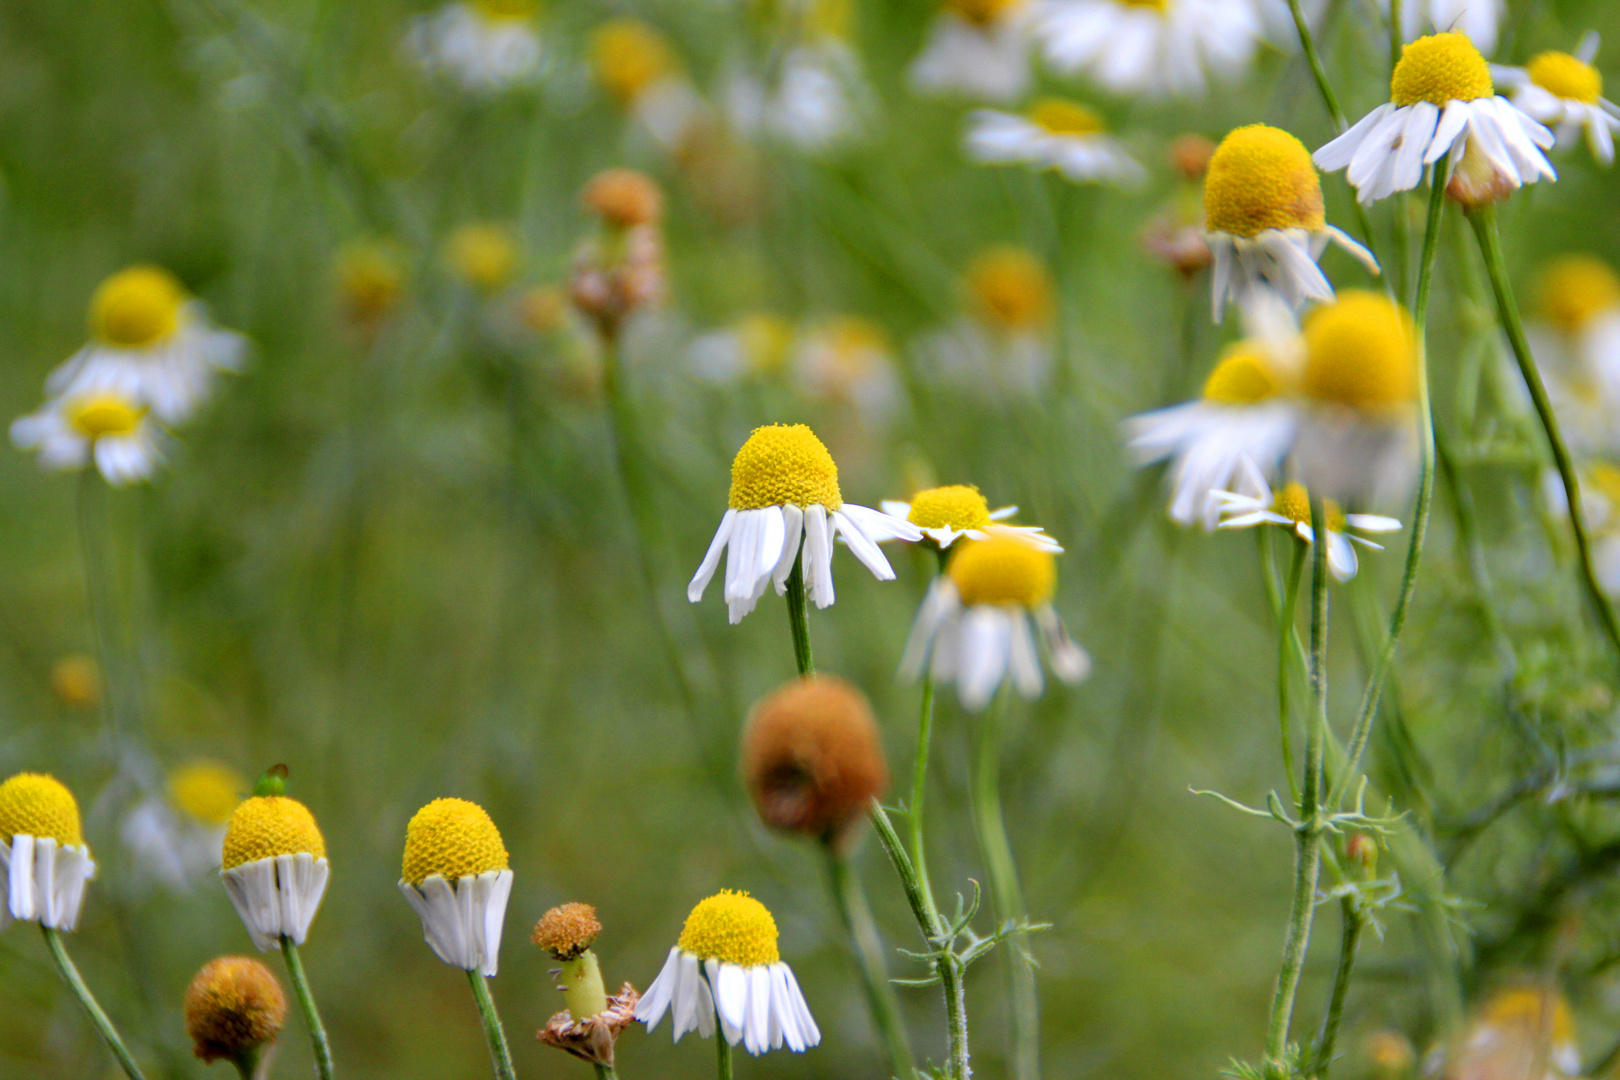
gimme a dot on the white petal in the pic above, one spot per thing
(711, 558)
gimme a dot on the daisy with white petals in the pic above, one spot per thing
(1156, 47)
(1442, 102)
(1565, 91)
(786, 509)
(726, 966)
(976, 48)
(1575, 337)
(1055, 134)
(44, 861)
(945, 514)
(457, 878)
(274, 867)
(485, 45)
(1290, 507)
(104, 427)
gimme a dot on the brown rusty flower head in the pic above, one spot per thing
(233, 1007)
(567, 930)
(624, 198)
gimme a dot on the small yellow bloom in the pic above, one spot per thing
(207, 791)
(733, 928)
(1061, 117)
(452, 838)
(1244, 376)
(484, 256)
(1562, 75)
(137, 308)
(1575, 289)
(1440, 68)
(1011, 289)
(954, 506)
(76, 681)
(96, 416)
(1003, 570)
(233, 1006)
(1262, 178)
(783, 464)
(371, 279)
(269, 825)
(628, 56)
(1361, 351)
(41, 806)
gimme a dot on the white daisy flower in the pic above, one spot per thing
(1479, 19)
(1291, 508)
(485, 45)
(44, 861)
(1265, 222)
(1565, 92)
(175, 837)
(813, 103)
(1055, 134)
(273, 865)
(637, 68)
(979, 623)
(104, 427)
(1442, 102)
(785, 511)
(726, 966)
(755, 346)
(956, 510)
(1575, 338)
(457, 879)
(976, 48)
(848, 360)
(1153, 47)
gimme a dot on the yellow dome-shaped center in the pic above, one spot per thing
(1360, 351)
(954, 506)
(731, 927)
(1011, 289)
(1060, 117)
(1574, 289)
(206, 791)
(781, 464)
(983, 12)
(1156, 5)
(485, 256)
(1440, 68)
(137, 308)
(95, 415)
(269, 825)
(507, 10)
(1561, 75)
(1294, 503)
(628, 56)
(1262, 178)
(1243, 376)
(33, 804)
(1004, 570)
(452, 838)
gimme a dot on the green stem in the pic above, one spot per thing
(1483, 220)
(306, 1002)
(722, 1049)
(799, 617)
(1395, 33)
(1349, 935)
(92, 521)
(606, 1072)
(494, 1034)
(856, 915)
(98, 1018)
(919, 787)
(1285, 650)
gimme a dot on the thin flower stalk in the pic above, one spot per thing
(98, 1017)
(494, 1033)
(1352, 923)
(306, 1004)
(1286, 645)
(856, 914)
(919, 773)
(117, 709)
(722, 1050)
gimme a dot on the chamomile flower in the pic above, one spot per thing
(637, 68)
(1054, 134)
(848, 360)
(106, 427)
(1442, 101)
(1264, 219)
(457, 878)
(1518, 1032)
(483, 256)
(485, 45)
(1290, 507)
(1565, 92)
(785, 501)
(273, 864)
(1003, 342)
(1479, 19)
(813, 100)
(1575, 337)
(176, 837)
(978, 625)
(754, 347)
(234, 1008)
(1153, 47)
(945, 514)
(978, 49)
(44, 861)
(726, 965)
(151, 345)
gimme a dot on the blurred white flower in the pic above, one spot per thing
(1055, 134)
(176, 837)
(637, 68)
(813, 103)
(1565, 91)
(113, 431)
(754, 346)
(848, 360)
(1575, 337)
(1256, 504)
(978, 49)
(485, 45)
(1153, 47)
(1479, 19)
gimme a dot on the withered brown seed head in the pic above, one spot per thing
(593, 1038)
(625, 197)
(812, 758)
(567, 930)
(233, 1005)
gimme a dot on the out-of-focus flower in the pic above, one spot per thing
(234, 1008)
(1266, 227)
(1390, 1052)
(1153, 47)
(44, 861)
(848, 359)
(1004, 344)
(1256, 504)
(177, 838)
(485, 45)
(1565, 92)
(980, 621)
(1441, 102)
(591, 1024)
(1575, 337)
(76, 681)
(620, 270)
(945, 514)
(1516, 1034)
(1054, 134)
(1479, 19)
(785, 505)
(1011, 290)
(726, 965)
(812, 103)
(976, 48)
(482, 256)
(755, 346)
(273, 864)
(370, 281)
(106, 427)
(1175, 236)
(457, 878)
(543, 309)
(635, 65)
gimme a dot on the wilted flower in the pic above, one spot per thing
(1565, 91)
(1054, 134)
(485, 45)
(273, 864)
(44, 861)
(1155, 47)
(621, 270)
(457, 878)
(234, 1007)
(592, 1022)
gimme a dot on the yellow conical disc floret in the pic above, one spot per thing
(1574, 289)
(1062, 117)
(1294, 503)
(1440, 68)
(1561, 75)
(1004, 570)
(206, 790)
(983, 12)
(33, 804)
(98, 415)
(1011, 288)
(137, 307)
(1360, 351)
(955, 506)
(269, 825)
(1262, 178)
(1243, 376)
(781, 464)
(452, 838)
(629, 56)
(731, 927)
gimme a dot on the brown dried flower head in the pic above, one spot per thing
(567, 930)
(593, 1037)
(233, 1006)
(812, 758)
(624, 198)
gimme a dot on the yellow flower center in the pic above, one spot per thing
(628, 56)
(954, 506)
(983, 12)
(233, 1006)
(1440, 68)
(1574, 289)
(33, 804)
(1061, 117)
(1011, 288)
(567, 930)
(506, 10)
(454, 839)
(137, 307)
(102, 414)
(1294, 503)
(731, 927)
(485, 256)
(1004, 570)
(1243, 376)
(1525, 1009)
(269, 825)
(1156, 5)
(206, 790)
(765, 341)
(371, 278)
(1360, 351)
(1262, 178)
(1561, 75)
(781, 464)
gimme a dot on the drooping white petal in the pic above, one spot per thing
(656, 1001)
(711, 558)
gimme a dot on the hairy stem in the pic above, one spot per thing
(1349, 936)
(92, 1008)
(306, 1003)
(856, 915)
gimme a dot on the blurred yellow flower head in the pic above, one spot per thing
(371, 279)
(233, 1006)
(1440, 68)
(1361, 352)
(782, 464)
(954, 506)
(1062, 117)
(1562, 75)
(1003, 570)
(269, 825)
(41, 806)
(482, 255)
(765, 341)
(1574, 289)
(1011, 289)
(983, 12)
(452, 838)
(628, 56)
(1244, 375)
(206, 791)
(731, 927)
(76, 681)
(106, 414)
(507, 9)
(1262, 178)
(137, 308)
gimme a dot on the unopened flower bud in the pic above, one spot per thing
(1362, 850)
(1476, 182)
(624, 198)
(233, 1008)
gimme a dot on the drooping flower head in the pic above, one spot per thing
(44, 861)
(233, 1008)
(457, 877)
